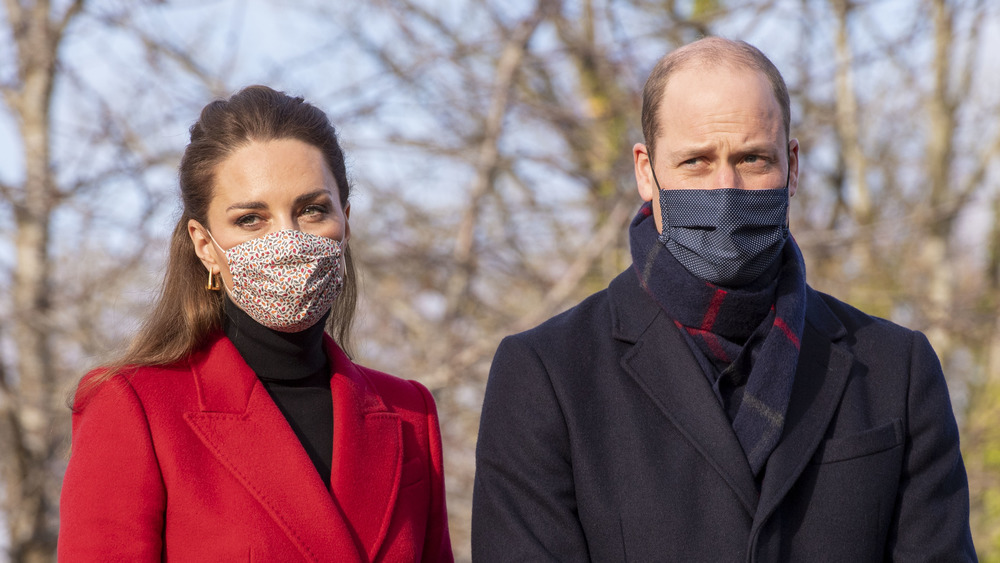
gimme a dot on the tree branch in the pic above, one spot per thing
(595, 247)
(507, 66)
(71, 12)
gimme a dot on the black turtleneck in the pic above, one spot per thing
(294, 369)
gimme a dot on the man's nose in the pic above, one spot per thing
(726, 176)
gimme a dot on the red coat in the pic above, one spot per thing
(194, 462)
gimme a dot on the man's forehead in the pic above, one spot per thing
(717, 83)
(709, 71)
(707, 99)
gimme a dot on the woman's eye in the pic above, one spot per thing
(248, 220)
(314, 210)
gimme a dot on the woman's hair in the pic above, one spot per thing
(186, 313)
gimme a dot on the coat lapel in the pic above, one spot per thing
(662, 364)
(822, 373)
(367, 453)
(243, 428)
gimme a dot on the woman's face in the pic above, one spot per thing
(267, 187)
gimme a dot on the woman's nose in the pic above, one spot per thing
(283, 223)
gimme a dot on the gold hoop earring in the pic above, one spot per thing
(214, 282)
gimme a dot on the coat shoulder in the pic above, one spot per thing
(859, 326)
(142, 381)
(582, 322)
(398, 394)
(596, 329)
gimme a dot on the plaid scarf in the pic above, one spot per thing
(745, 338)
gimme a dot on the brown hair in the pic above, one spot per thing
(186, 313)
(712, 51)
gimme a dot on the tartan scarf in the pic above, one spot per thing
(747, 337)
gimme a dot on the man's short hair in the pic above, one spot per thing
(708, 51)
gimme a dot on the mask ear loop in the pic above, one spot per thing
(788, 196)
(664, 214)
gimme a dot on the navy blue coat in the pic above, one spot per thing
(601, 440)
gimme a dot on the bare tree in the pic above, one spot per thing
(91, 185)
(492, 141)
(30, 428)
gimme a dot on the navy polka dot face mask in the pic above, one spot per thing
(726, 236)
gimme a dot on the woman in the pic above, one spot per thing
(235, 427)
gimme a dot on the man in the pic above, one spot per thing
(709, 405)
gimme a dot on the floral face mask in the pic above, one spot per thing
(286, 280)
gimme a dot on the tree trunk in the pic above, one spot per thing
(33, 410)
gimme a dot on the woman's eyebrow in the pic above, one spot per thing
(312, 195)
(247, 205)
(261, 205)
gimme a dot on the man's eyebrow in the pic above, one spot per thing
(765, 148)
(685, 153)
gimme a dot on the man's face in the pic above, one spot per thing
(719, 127)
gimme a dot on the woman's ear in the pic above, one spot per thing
(204, 247)
(347, 223)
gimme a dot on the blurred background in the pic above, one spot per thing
(489, 143)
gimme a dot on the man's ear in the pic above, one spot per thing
(203, 246)
(643, 172)
(793, 166)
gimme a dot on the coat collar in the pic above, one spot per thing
(243, 428)
(632, 310)
(663, 365)
(825, 363)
